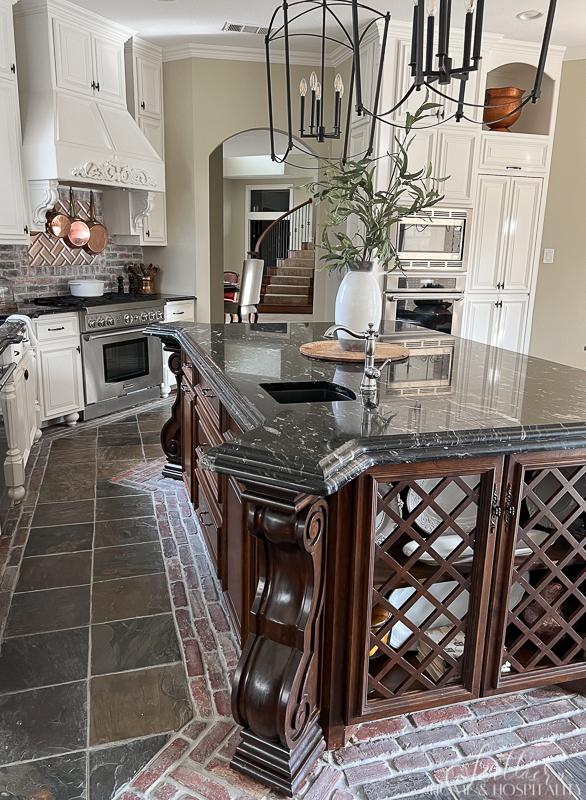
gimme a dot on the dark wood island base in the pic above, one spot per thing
(412, 586)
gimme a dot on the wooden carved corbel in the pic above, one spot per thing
(171, 431)
(276, 691)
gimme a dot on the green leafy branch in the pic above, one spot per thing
(355, 204)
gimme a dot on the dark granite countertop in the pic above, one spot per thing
(452, 398)
(10, 333)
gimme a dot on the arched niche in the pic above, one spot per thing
(536, 118)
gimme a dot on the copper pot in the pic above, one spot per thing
(58, 224)
(502, 107)
(98, 233)
(79, 232)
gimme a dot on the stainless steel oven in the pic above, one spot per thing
(122, 367)
(433, 303)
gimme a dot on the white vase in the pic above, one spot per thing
(359, 299)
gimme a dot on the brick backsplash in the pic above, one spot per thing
(46, 266)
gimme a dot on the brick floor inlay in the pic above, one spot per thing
(526, 745)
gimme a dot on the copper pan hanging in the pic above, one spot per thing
(98, 233)
(79, 232)
(58, 223)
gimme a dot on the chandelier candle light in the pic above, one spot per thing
(432, 66)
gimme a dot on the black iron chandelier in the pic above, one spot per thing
(346, 24)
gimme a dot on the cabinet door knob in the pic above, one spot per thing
(148, 233)
(26, 230)
(26, 375)
(143, 105)
(98, 86)
(13, 69)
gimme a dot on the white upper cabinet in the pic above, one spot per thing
(155, 226)
(149, 79)
(109, 70)
(456, 158)
(488, 248)
(7, 57)
(74, 69)
(504, 234)
(87, 63)
(523, 224)
(13, 207)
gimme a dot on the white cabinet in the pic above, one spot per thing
(109, 70)
(13, 204)
(153, 130)
(497, 320)
(455, 159)
(524, 206)
(154, 229)
(175, 311)
(13, 207)
(74, 68)
(7, 56)
(61, 376)
(149, 81)
(506, 221)
(520, 153)
(88, 63)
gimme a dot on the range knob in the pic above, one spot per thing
(160, 315)
(127, 319)
(110, 322)
(144, 317)
(152, 316)
(91, 323)
(101, 322)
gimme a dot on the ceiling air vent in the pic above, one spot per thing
(235, 27)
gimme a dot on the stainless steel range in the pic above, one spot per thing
(121, 366)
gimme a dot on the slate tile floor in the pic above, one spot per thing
(92, 682)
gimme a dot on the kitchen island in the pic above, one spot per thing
(381, 557)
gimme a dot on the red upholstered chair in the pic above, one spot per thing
(231, 277)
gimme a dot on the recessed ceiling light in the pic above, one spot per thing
(530, 15)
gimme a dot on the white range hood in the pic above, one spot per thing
(72, 132)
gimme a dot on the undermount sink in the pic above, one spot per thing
(308, 392)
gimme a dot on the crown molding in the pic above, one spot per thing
(66, 10)
(183, 51)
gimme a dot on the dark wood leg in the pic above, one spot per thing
(239, 314)
(171, 431)
(275, 694)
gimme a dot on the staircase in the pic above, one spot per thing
(288, 287)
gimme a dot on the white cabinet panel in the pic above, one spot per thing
(489, 232)
(153, 130)
(7, 57)
(511, 324)
(479, 319)
(456, 158)
(155, 229)
(61, 379)
(73, 57)
(496, 320)
(523, 222)
(13, 213)
(515, 152)
(109, 70)
(149, 80)
(421, 152)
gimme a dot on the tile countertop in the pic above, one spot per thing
(452, 398)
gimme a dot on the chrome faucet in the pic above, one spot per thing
(369, 385)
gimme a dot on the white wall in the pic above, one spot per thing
(559, 320)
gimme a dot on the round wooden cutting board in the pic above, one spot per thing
(332, 351)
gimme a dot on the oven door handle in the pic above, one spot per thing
(452, 298)
(90, 337)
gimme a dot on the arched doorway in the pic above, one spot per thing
(249, 193)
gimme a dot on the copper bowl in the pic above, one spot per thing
(502, 107)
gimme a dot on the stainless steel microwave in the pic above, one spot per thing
(437, 237)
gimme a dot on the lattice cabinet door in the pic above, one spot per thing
(539, 626)
(421, 600)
